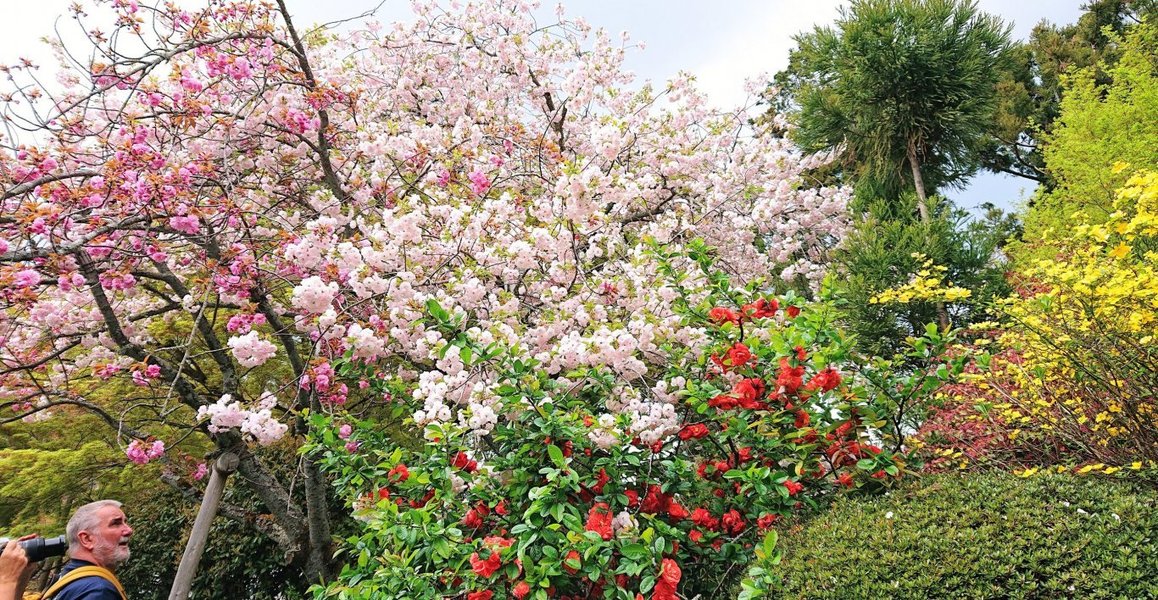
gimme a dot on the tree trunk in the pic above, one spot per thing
(926, 218)
(919, 184)
(318, 565)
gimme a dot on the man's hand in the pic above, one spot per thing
(15, 569)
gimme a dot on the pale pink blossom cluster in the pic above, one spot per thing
(140, 453)
(313, 295)
(141, 377)
(251, 350)
(25, 278)
(243, 323)
(259, 424)
(455, 177)
(606, 434)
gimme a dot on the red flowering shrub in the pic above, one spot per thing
(984, 422)
(586, 490)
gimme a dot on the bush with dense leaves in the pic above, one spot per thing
(979, 536)
(762, 415)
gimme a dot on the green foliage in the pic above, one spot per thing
(50, 467)
(898, 79)
(878, 255)
(977, 536)
(237, 563)
(1030, 91)
(1101, 125)
(768, 416)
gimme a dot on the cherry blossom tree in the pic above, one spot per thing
(214, 211)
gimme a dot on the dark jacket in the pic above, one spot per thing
(86, 588)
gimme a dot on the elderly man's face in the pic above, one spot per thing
(111, 537)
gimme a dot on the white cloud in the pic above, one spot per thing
(755, 42)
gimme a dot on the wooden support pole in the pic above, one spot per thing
(199, 535)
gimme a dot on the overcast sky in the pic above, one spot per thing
(722, 42)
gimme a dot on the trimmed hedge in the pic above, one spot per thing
(980, 536)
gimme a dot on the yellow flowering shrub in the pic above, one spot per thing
(1083, 368)
(926, 285)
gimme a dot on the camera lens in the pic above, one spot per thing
(39, 549)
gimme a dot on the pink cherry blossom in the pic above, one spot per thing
(251, 350)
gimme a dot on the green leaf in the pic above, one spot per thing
(634, 551)
(436, 310)
(556, 455)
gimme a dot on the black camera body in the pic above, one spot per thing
(39, 549)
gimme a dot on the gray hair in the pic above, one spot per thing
(85, 519)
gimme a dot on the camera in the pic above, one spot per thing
(39, 549)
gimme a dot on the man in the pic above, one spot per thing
(98, 536)
(14, 570)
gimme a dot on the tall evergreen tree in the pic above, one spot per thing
(903, 89)
(905, 92)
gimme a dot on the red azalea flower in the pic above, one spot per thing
(485, 568)
(802, 419)
(472, 520)
(723, 402)
(464, 462)
(655, 501)
(845, 479)
(790, 377)
(794, 487)
(474, 517)
(632, 498)
(720, 315)
(483, 595)
(601, 480)
(599, 520)
(878, 475)
(399, 473)
(693, 432)
(677, 512)
(765, 521)
(826, 380)
(521, 590)
(744, 455)
(761, 309)
(695, 535)
(703, 518)
(748, 392)
(501, 508)
(733, 522)
(422, 501)
(792, 311)
(669, 579)
(739, 355)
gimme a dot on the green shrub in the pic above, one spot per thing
(979, 536)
